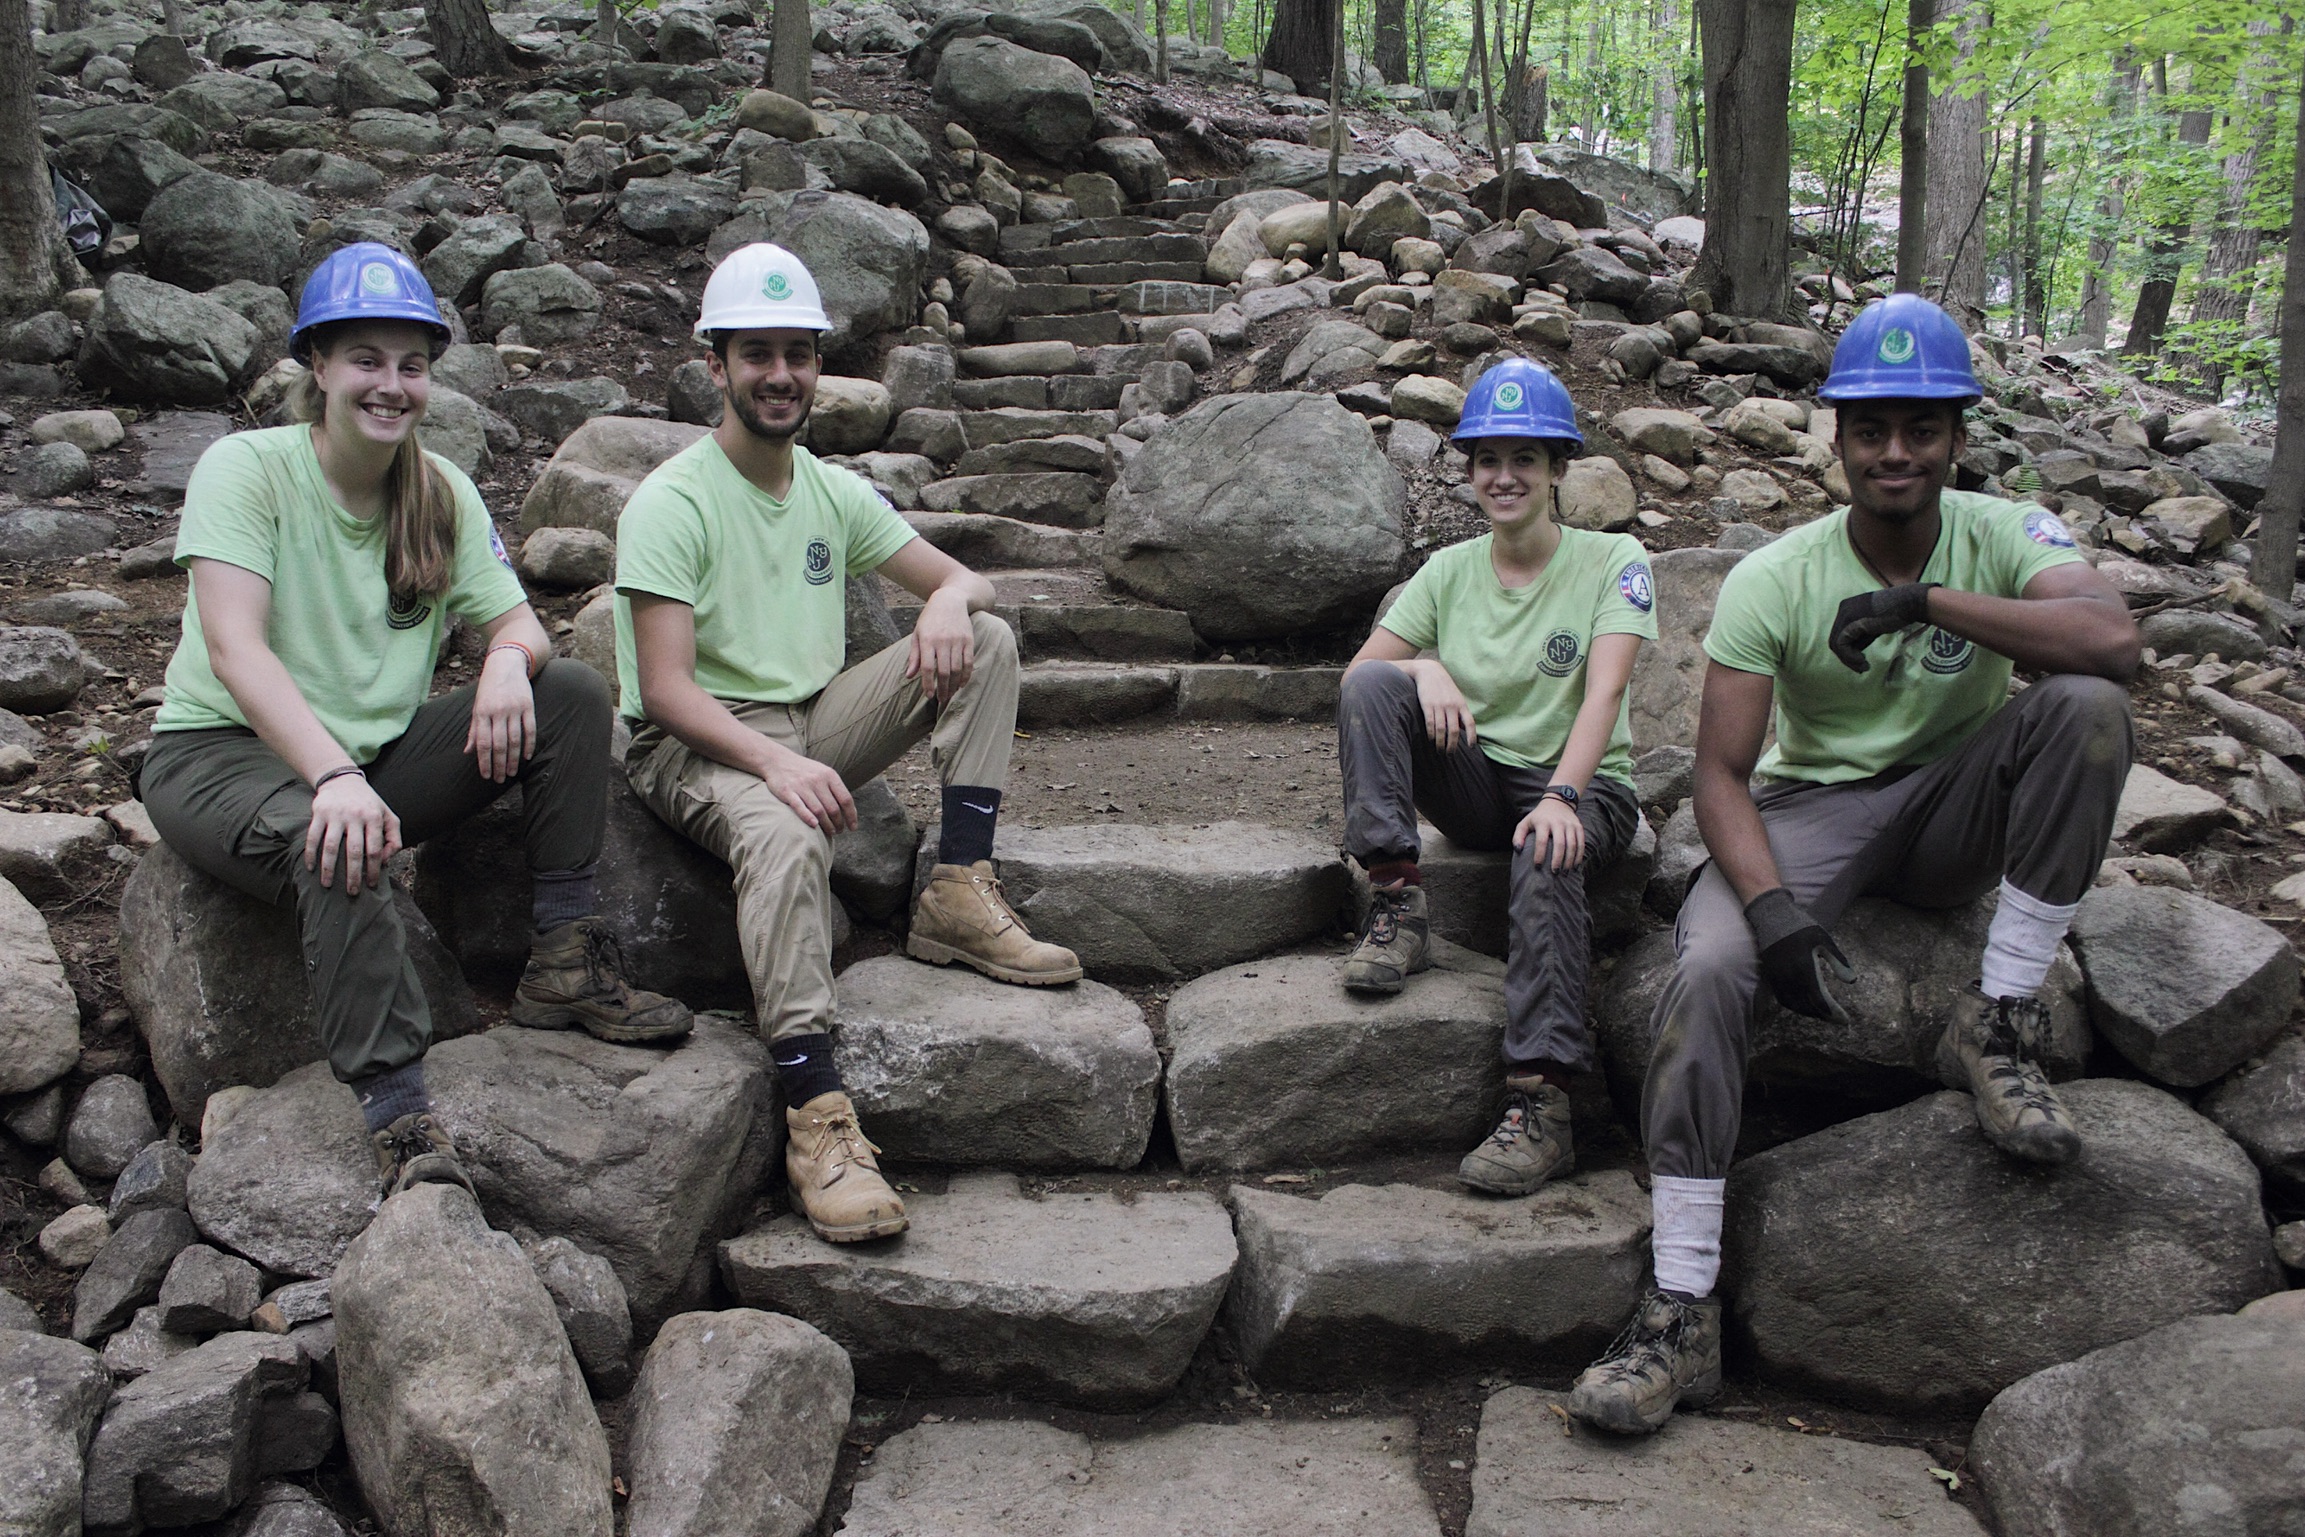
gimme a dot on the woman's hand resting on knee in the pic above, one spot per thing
(349, 816)
(1552, 835)
(1448, 719)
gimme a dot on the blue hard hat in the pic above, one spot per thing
(1902, 348)
(1520, 399)
(367, 281)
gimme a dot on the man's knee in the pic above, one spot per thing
(1374, 682)
(995, 641)
(767, 840)
(2085, 716)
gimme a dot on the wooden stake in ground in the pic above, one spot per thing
(1333, 266)
(2275, 558)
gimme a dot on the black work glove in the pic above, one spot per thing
(1868, 616)
(1796, 952)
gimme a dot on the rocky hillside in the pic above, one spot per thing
(1186, 1254)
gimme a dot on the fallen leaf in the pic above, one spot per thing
(1952, 1480)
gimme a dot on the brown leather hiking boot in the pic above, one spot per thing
(575, 976)
(1669, 1355)
(1991, 1049)
(416, 1150)
(964, 916)
(835, 1181)
(1531, 1144)
(1396, 941)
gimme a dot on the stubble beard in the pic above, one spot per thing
(749, 419)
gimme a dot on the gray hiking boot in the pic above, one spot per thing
(1530, 1145)
(1669, 1355)
(1991, 1049)
(1394, 941)
(575, 976)
(417, 1150)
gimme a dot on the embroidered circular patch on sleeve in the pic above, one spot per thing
(1633, 582)
(2044, 527)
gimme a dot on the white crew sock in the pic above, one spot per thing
(1686, 1237)
(2021, 943)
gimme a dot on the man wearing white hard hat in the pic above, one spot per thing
(731, 568)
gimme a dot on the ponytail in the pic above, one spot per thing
(420, 510)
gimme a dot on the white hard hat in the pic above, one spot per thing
(759, 287)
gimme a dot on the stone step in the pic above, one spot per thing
(1005, 424)
(1023, 391)
(1176, 247)
(1255, 1478)
(1065, 616)
(1074, 1297)
(1070, 695)
(1052, 275)
(1062, 498)
(1019, 239)
(1388, 1282)
(1272, 1064)
(1146, 903)
(1066, 451)
(1055, 299)
(1110, 274)
(1706, 1473)
(1022, 359)
(1091, 330)
(1171, 298)
(989, 543)
(951, 1067)
(1044, 392)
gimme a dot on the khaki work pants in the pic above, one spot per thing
(860, 723)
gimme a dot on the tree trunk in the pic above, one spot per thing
(464, 40)
(71, 15)
(1391, 51)
(1302, 41)
(2097, 282)
(2275, 565)
(1954, 230)
(1913, 154)
(36, 264)
(789, 34)
(1161, 42)
(1665, 92)
(2229, 263)
(1489, 113)
(1216, 17)
(1333, 264)
(2165, 259)
(1748, 54)
(2036, 312)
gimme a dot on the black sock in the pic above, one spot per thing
(563, 896)
(969, 814)
(387, 1096)
(804, 1067)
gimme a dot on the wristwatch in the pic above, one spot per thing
(1565, 792)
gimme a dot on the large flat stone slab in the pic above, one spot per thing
(2183, 987)
(1150, 904)
(948, 1066)
(1273, 1063)
(1717, 1477)
(1019, 1478)
(1376, 1282)
(644, 1157)
(1900, 1260)
(1080, 1298)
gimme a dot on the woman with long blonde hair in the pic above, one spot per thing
(296, 751)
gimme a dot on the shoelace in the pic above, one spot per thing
(1515, 1124)
(603, 963)
(1639, 1347)
(848, 1141)
(1384, 916)
(406, 1146)
(995, 898)
(2009, 1035)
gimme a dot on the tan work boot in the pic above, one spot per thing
(1396, 941)
(575, 976)
(417, 1150)
(964, 916)
(1991, 1049)
(1669, 1355)
(829, 1164)
(1531, 1144)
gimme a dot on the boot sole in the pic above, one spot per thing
(860, 1232)
(560, 1016)
(939, 954)
(1383, 987)
(1514, 1186)
(1632, 1422)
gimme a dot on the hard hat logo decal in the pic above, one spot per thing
(777, 286)
(1509, 396)
(1897, 345)
(376, 278)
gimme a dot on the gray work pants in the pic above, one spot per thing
(1392, 771)
(228, 805)
(2030, 797)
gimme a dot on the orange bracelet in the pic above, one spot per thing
(512, 645)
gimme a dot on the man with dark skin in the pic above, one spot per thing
(1882, 640)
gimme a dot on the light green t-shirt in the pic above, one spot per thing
(257, 500)
(1928, 690)
(1518, 654)
(766, 577)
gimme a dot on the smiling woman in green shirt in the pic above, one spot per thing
(1492, 698)
(296, 752)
